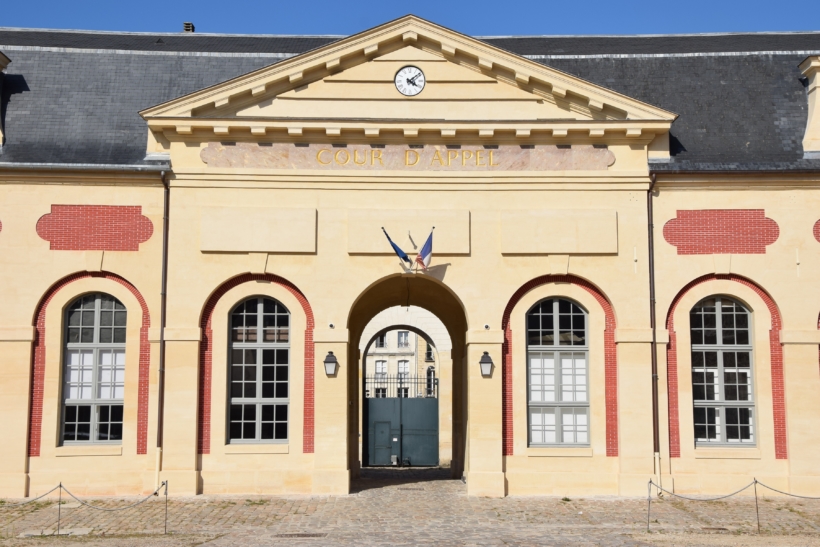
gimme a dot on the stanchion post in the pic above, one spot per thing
(166, 508)
(757, 509)
(59, 507)
(648, 504)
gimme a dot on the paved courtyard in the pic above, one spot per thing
(415, 507)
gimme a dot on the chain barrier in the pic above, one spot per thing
(754, 484)
(61, 488)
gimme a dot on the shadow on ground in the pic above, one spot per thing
(410, 477)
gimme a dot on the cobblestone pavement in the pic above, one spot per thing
(417, 507)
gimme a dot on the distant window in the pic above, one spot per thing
(722, 386)
(428, 354)
(404, 369)
(381, 369)
(404, 339)
(381, 393)
(381, 341)
(94, 373)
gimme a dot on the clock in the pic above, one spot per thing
(409, 81)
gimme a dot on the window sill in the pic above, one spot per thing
(738, 453)
(559, 452)
(91, 450)
(257, 449)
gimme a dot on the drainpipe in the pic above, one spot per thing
(163, 300)
(654, 346)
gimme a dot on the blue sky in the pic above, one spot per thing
(478, 17)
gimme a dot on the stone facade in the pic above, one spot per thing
(273, 190)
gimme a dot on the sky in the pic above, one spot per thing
(477, 17)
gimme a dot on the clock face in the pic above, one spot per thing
(410, 81)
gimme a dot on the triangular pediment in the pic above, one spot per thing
(349, 85)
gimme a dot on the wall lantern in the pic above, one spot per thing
(330, 364)
(486, 363)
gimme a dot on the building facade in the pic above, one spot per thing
(626, 256)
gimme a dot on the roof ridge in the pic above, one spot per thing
(672, 35)
(186, 34)
(338, 36)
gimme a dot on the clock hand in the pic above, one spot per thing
(411, 82)
(413, 79)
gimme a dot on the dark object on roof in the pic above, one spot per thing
(738, 110)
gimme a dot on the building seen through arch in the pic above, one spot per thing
(601, 262)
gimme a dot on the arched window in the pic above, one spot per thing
(557, 373)
(722, 372)
(259, 375)
(94, 374)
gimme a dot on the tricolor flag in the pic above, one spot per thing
(426, 253)
(401, 254)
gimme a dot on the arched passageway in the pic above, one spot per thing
(435, 297)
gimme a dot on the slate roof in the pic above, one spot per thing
(73, 96)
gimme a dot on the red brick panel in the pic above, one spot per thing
(206, 360)
(610, 360)
(775, 349)
(95, 228)
(721, 231)
(38, 362)
(815, 231)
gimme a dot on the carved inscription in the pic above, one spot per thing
(403, 158)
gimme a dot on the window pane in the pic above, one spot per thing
(723, 375)
(542, 377)
(707, 427)
(738, 425)
(77, 423)
(573, 377)
(574, 425)
(111, 374)
(542, 426)
(258, 373)
(556, 377)
(79, 374)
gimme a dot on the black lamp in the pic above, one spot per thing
(330, 364)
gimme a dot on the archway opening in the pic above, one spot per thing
(407, 292)
(406, 359)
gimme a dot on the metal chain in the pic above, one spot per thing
(786, 493)
(702, 499)
(149, 496)
(29, 501)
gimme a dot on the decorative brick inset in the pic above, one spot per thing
(721, 231)
(815, 230)
(38, 362)
(775, 349)
(95, 227)
(206, 360)
(610, 360)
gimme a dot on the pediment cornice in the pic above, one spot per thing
(597, 111)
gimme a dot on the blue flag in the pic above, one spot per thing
(401, 254)
(426, 254)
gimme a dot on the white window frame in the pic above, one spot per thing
(403, 339)
(720, 406)
(271, 350)
(428, 353)
(381, 341)
(570, 414)
(100, 375)
(381, 369)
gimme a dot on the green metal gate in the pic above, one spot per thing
(401, 413)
